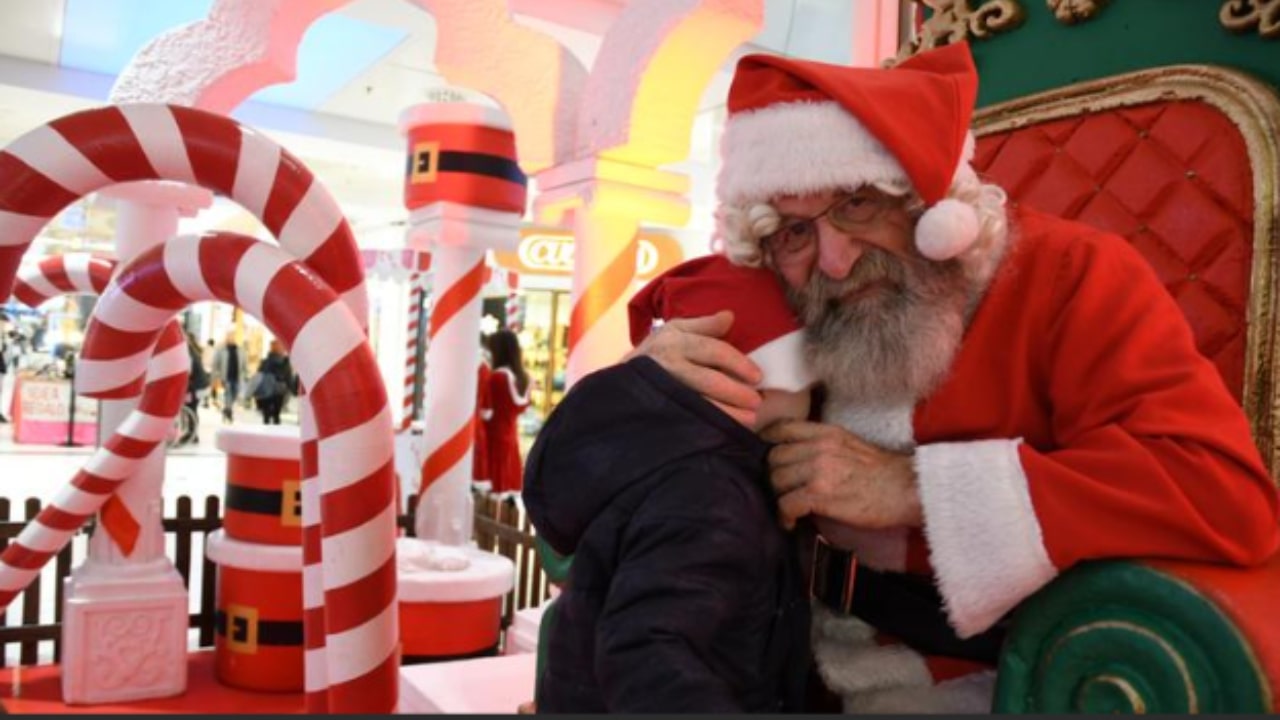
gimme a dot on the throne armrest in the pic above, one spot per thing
(1146, 636)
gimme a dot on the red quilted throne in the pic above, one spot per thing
(1182, 161)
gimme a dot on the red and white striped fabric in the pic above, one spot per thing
(352, 431)
(162, 375)
(82, 274)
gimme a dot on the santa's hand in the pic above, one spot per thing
(821, 469)
(690, 349)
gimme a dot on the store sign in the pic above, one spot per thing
(550, 252)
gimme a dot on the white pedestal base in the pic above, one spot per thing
(124, 633)
(522, 636)
(485, 686)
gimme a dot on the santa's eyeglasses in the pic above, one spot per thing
(849, 213)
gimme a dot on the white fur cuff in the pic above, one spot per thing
(984, 539)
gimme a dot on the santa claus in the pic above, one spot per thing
(1007, 394)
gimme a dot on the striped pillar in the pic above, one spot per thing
(515, 309)
(604, 268)
(412, 344)
(605, 215)
(465, 194)
(444, 510)
(147, 214)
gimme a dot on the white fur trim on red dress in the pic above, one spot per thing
(983, 568)
(516, 397)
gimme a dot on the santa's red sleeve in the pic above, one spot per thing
(1152, 455)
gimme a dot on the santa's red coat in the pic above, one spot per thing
(1078, 421)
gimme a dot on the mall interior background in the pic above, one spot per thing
(357, 68)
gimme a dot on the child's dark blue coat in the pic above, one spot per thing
(684, 594)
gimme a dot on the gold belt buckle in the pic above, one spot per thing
(291, 503)
(242, 629)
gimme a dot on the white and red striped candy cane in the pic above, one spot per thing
(411, 350)
(52, 166)
(82, 274)
(515, 314)
(48, 168)
(91, 490)
(352, 429)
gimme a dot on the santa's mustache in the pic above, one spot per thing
(823, 296)
(893, 342)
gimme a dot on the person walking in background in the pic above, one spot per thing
(273, 383)
(509, 394)
(197, 382)
(206, 357)
(229, 369)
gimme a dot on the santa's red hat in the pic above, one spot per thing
(764, 328)
(798, 126)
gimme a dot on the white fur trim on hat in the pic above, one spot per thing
(798, 148)
(983, 568)
(947, 229)
(782, 363)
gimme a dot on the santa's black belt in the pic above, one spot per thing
(905, 606)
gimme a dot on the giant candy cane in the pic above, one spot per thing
(70, 274)
(53, 165)
(352, 424)
(91, 490)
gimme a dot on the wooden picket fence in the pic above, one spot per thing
(501, 526)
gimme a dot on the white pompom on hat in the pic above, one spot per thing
(798, 126)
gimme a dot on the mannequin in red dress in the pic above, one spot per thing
(509, 395)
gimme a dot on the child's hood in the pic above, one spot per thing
(617, 428)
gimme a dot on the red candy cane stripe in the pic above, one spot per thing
(353, 445)
(605, 290)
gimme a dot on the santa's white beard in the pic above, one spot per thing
(893, 346)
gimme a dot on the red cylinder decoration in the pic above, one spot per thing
(461, 154)
(449, 614)
(264, 498)
(259, 643)
(449, 631)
